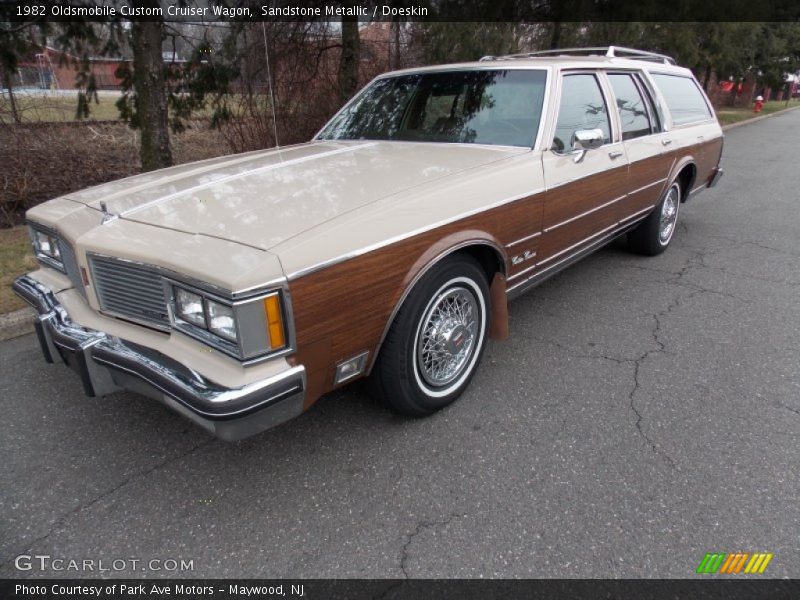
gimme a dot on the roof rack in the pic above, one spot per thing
(607, 51)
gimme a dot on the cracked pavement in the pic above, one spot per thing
(645, 411)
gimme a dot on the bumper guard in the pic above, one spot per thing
(107, 364)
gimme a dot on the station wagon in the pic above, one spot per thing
(239, 290)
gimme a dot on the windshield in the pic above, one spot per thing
(498, 107)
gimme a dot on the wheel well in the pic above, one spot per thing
(487, 257)
(686, 178)
(490, 261)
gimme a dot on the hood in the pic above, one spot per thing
(264, 198)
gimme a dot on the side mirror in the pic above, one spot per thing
(588, 139)
(582, 141)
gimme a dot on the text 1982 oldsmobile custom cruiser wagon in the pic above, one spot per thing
(239, 290)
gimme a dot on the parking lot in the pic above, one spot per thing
(645, 411)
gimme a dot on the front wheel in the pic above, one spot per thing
(653, 235)
(436, 341)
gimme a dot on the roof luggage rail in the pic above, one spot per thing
(607, 51)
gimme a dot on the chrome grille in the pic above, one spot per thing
(71, 265)
(129, 290)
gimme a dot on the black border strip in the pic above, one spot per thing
(733, 588)
(516, 11)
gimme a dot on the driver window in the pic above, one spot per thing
(582, 107)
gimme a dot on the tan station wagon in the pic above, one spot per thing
(239, 290)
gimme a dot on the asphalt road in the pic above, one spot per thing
(644, 412)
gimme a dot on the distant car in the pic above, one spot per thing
(239, 290)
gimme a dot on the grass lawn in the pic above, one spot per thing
(60, 106)
(16, 258)
(56, 107)
(727, 116)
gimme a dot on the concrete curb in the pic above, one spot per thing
(15, 324)
(761, 118)
(20, 322)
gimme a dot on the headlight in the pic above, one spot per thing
(46, 247)
(221, 320)
(189, 307)
(246, 329)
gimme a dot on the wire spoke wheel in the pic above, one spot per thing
(436, 341)
(447, 336)
(669, 215)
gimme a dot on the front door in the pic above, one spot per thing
(582, 188)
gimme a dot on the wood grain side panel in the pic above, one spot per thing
(643, 173)
(712, 152)
(567, 235)
(342, 310)
(572, 201)
(705, 156)
(566, 201)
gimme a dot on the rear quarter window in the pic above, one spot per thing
(684, 99)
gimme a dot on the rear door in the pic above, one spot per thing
(648, 161)
(582, 191)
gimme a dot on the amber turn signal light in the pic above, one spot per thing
(272, 308)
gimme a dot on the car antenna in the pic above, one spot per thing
(271, 91)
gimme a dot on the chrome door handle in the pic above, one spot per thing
(666, 142)
(615, 154)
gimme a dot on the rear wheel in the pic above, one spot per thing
(436, 341)
(653, 235)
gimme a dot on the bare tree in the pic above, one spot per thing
(348, 64)
(151, 97)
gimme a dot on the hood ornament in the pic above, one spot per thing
(107, 216)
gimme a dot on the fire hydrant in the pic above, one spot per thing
(759, 104)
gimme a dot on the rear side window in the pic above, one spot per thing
(582, 107)
(632, 109)
(684, 99)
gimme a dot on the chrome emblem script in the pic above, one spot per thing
(520, 258)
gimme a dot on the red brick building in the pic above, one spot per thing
(52, 69)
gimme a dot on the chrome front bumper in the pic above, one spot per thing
(107, 364)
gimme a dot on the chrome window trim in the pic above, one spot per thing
(661, 105)
(635, 76)
(556, 98)
(447, 69)
(611, 101)
(656, 125)
(690, 76)
(655, 98)
(539, 140)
